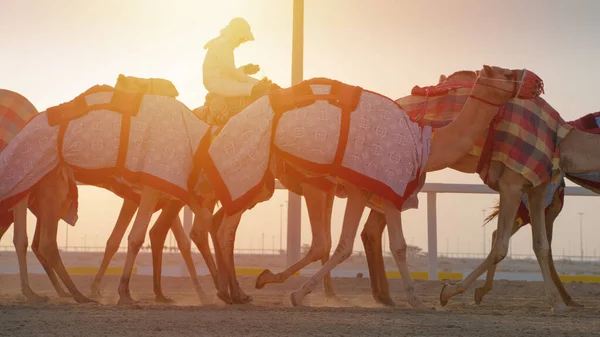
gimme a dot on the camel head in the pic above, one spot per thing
(504, 84)
(525, 83)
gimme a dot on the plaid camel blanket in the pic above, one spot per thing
(525, 138)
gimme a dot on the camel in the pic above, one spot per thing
(573, 158)
(15, 112)
(371, 235)
(494, 88)
(26, 109)
(510, 186)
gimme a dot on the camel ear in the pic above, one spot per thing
(443, 78)
(487, 71)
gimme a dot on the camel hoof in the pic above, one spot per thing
(224, 296)
(296, 299)
(83, 299)
(263, 279)
(126, 300)
(163, 299)
(479, 294)
(384, 300)
(35, 298)
(244, 299)
(447, 292)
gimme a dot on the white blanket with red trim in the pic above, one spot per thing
(162, 141)
(384, 152)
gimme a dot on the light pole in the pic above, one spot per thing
(294, 216)
(581, 233)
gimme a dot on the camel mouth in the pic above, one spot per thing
(531, 85)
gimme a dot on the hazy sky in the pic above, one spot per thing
(52, 50)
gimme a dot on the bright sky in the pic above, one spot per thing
(52, 50)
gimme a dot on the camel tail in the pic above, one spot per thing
(494, 214)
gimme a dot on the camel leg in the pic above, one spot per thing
(20, 242)
(238, 296)
(35, 247)
(158, 235)
(317, 205)
(186, 252)
(135, 240)
(203, 224)
(114, 241)
(371, 237)
(357, 200)
(398, 248)
(541, 246)
(228, 290)
(550, 217)
(489, 277)
(49, 206)
(222, 279)
(510, 199)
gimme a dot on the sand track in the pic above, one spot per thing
(512, 309)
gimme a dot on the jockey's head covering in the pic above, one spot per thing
(238, 29)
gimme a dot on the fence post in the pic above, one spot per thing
(432, 235)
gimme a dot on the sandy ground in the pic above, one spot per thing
(512, 309)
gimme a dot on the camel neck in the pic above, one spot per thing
(455, 140)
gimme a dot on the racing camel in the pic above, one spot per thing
(16, 111)
(469, 164)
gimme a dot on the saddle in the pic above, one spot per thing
(342, 95)
(220, 108)
(151, 86)
(217, 109)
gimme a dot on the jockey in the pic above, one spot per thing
(220, 76)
